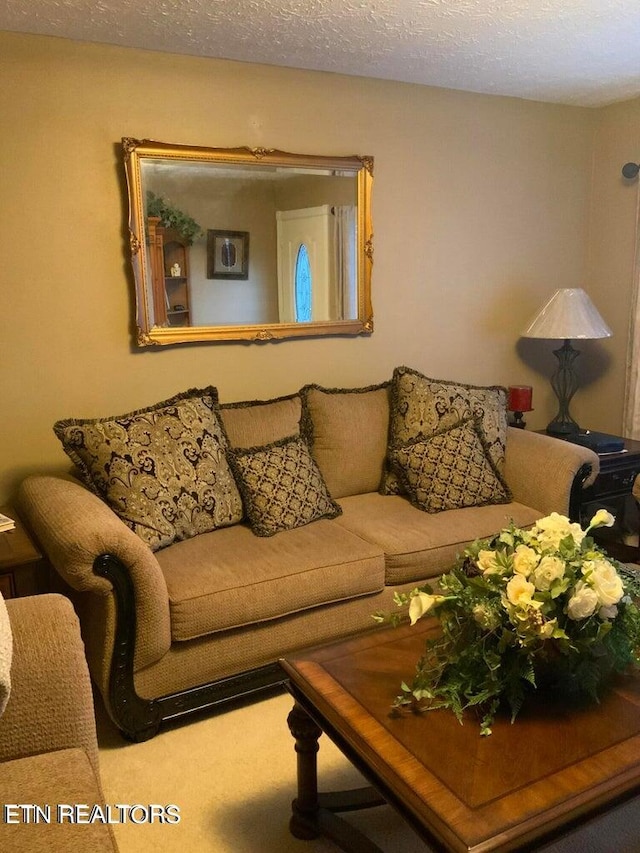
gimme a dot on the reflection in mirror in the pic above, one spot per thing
(248, 244)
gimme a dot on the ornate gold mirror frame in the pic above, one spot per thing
(231, 244)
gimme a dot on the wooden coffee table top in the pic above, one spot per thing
(528, 781)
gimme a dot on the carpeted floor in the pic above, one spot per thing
(233, 776)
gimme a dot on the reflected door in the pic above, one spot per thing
(305, 269)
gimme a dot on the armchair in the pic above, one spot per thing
(48, 745)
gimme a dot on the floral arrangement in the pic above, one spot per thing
(527, 604)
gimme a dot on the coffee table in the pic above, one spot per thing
(532, 780)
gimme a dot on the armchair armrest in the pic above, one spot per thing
(541, 470)
(50, 706)
(74, 528)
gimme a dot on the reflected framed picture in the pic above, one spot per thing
(227, 254)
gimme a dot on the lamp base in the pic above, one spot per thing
(564, 383)
(563, 428)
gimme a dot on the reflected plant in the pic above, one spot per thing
(172, 217)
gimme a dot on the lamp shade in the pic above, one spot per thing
(569, 314)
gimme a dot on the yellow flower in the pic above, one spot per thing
(520, 591)
(485, 617)
(487, 562)
(525, 560)
(546, 629)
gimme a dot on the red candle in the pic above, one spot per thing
(520, 397)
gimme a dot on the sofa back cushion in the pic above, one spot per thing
(254, 423)
(347, 431)
(162, 469)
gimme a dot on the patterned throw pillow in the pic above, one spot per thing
(450, 470)
(281, 485)
(163, 470)
(421, 406)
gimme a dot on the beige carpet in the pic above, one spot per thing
(233, 777)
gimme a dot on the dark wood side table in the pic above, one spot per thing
(23, 569)
(611, 490)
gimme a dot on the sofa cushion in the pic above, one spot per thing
(252, 423)
(232, 578)
(49, 779)
(420, 545)
(347, 430)
(449, 470)
(162, 469)
(420, 406)
(281, 486)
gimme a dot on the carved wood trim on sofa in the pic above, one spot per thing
(140, 719)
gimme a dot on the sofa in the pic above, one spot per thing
(201, 541)
(48, 748)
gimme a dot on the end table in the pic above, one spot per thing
(611, 490)
(23, 569)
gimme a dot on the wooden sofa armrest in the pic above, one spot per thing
(50, 705)
(77, 530)
(547, 473)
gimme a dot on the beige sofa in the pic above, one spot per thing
(48, 748)
(202, 621)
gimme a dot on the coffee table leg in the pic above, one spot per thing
(304, 820)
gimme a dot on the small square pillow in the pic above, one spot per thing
(163, 470)
(450, 470)
(421, 406)
(281, 486)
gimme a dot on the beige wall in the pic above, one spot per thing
(480, 210)
(611, 256)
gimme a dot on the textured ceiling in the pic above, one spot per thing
(584, 52)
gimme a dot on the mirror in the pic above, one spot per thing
(248, 244)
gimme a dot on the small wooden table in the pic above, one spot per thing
(611, 489)
(23, 569)
(528, 782)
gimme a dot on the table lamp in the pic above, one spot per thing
(569, 314)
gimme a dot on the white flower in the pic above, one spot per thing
(520, 591)
(604, 579)
(583, 602)
(608, 612)
(552, 529)
(421, 603)
(486, 562)
(525, 560)
(602, 519)
(547, 571)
